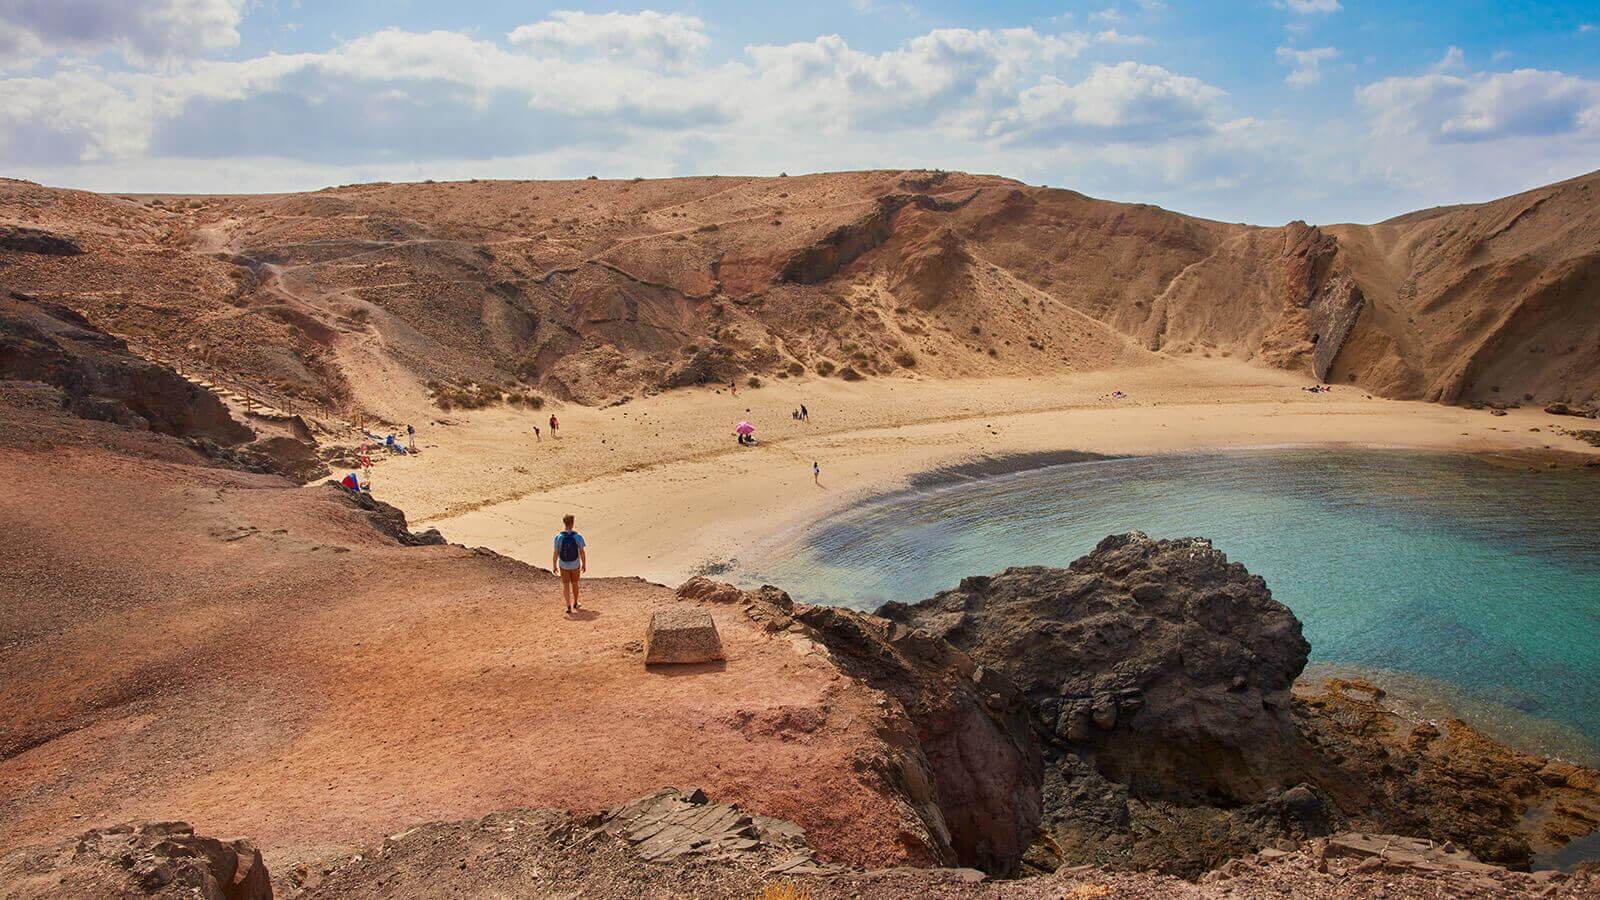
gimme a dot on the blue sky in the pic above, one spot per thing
(1256, 110)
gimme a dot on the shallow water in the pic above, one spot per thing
(1480, 579)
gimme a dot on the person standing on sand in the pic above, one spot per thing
(537, 434)
(816, 473)
(553, 424)
(805, 414)
(569, 560)
(411, 437)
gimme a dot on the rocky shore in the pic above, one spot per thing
(1159, 678)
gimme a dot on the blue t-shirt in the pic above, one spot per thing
(563, 563)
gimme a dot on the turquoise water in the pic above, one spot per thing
(1435, 569)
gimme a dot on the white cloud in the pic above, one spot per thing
(956, 78)
(649, 38)
(1446, 108)
(1125, 102)
(1311, 7)
(144, 31)
(1113, 36)
(1307, 64)
(582, 81)
(1452, 61)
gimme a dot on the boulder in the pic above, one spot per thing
(1162, 663)
(674, 825)
(152, 859)
(681, 635)
(1399, 853)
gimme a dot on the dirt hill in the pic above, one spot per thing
(356, 297)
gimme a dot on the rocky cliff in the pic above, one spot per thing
(1160, 678)
(957, 744)
(588, 290)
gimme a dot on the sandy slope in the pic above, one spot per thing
(591, 290)
(180, 641)
(660, 487)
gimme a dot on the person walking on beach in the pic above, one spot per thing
(805, 414)
(816, 473)
(569, 560)
(537, 434)
(553, 425)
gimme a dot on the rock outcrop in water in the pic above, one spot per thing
(1160, 674)
(1160, 663)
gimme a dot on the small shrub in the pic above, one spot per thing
(691, 350)
(824, 368)
(906, 359)
(849, 373)
(796, 369)
(754, 382)
(977, 330)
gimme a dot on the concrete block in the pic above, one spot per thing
(682, 634)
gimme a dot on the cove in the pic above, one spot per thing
(1476, 583)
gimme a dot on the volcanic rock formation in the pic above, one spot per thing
(1159, 675)
(1159, 662)
(958, 746)
(590, 290)
(153, 859)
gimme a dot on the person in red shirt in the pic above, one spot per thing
(553, 425)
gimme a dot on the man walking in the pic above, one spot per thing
(553, 425)
(569, 560)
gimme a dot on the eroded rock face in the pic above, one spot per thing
(100, 379)
(153, 859)
(1160, 663)
(386, 518)
(959, 749)
(21, 239)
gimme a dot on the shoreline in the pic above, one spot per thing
(660, 494)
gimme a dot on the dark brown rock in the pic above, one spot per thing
(1161, 663)
(153, 859)
(959, 748)
(21, 239)
(101, 379)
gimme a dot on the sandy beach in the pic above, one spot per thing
(662, 490)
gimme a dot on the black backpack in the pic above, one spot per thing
(569, 546)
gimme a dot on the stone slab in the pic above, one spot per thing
(681, 635)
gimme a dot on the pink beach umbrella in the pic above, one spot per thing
(745, 428)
